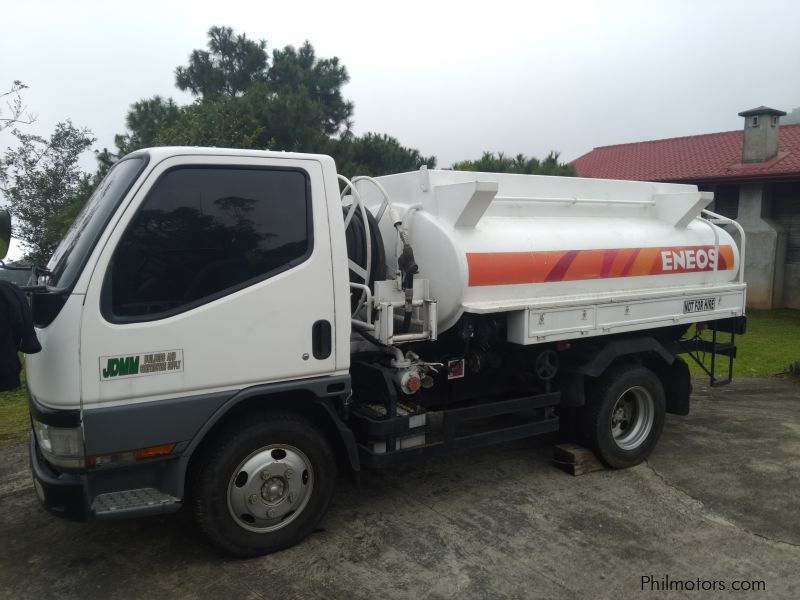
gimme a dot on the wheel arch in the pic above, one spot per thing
(618, 349)
(314, 400)
(646, 351)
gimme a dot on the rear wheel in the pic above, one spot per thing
(624, 415)
(266, 484)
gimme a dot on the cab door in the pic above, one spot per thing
(216, 277)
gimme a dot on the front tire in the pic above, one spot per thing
(624, 415)
(265, 484)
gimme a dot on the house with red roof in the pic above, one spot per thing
(754, 174)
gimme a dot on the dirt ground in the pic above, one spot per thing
(717, 503)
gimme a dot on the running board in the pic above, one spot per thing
(133, 503)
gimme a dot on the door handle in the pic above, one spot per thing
(321, 339)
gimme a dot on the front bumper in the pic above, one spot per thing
(61, 494)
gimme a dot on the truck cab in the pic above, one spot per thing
(191, 276)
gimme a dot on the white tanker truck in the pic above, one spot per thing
(226, 328)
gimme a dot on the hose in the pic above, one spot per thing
(356, 241)
(363, 238)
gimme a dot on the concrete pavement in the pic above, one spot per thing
(717, 501)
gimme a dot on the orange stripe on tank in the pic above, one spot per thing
(510, 268)
(622, 258)
(645, 261)
(588, 264)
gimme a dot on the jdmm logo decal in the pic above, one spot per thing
(160, 362)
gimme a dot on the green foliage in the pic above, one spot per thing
(224, 121)
(146, 119)
(376, 154)
(500, 163)
(301, 80)
(41, 178)
(14, 418)
(230, 66)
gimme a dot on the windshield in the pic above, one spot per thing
(73, 251)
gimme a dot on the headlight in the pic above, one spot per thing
(61, 446)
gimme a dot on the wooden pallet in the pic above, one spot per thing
(576, 460)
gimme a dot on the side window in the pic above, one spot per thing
(204, 232)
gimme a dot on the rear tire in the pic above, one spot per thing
(265, 484)
(624, 415)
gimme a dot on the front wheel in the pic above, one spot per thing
(265, 485)
(624, 415)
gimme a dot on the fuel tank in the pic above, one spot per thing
(492, 242)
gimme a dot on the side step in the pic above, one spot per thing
(133, 503)
(709, 347)
(464, 428)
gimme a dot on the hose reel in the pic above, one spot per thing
(366, 254)
(361, 256)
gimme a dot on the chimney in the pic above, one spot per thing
(760, 134)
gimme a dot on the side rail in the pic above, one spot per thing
(715, 219)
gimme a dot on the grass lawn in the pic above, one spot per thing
(772, 342)
(14, 422)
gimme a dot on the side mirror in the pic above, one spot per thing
(5, 232)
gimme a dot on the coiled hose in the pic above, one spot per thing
(356, 240)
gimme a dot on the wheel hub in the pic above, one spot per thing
(270, 488)
(273, 490)
(632, 417)
(622, 414)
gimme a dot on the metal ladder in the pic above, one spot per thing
(700, 349)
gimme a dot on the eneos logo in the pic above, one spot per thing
(689, 259)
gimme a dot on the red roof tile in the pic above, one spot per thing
(712, 156)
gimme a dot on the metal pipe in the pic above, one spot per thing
(410, 337)
(573, 200)
(727, 221)
(367, 298)
(362, 325)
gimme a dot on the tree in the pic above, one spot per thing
(318, 80)
(243, 101)
(13, 100)
(41, 179)
(376, 154)
(224, 121)
(230, 66)
(500, 163)
(145, 120)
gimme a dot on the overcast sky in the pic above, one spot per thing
(450, 78)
